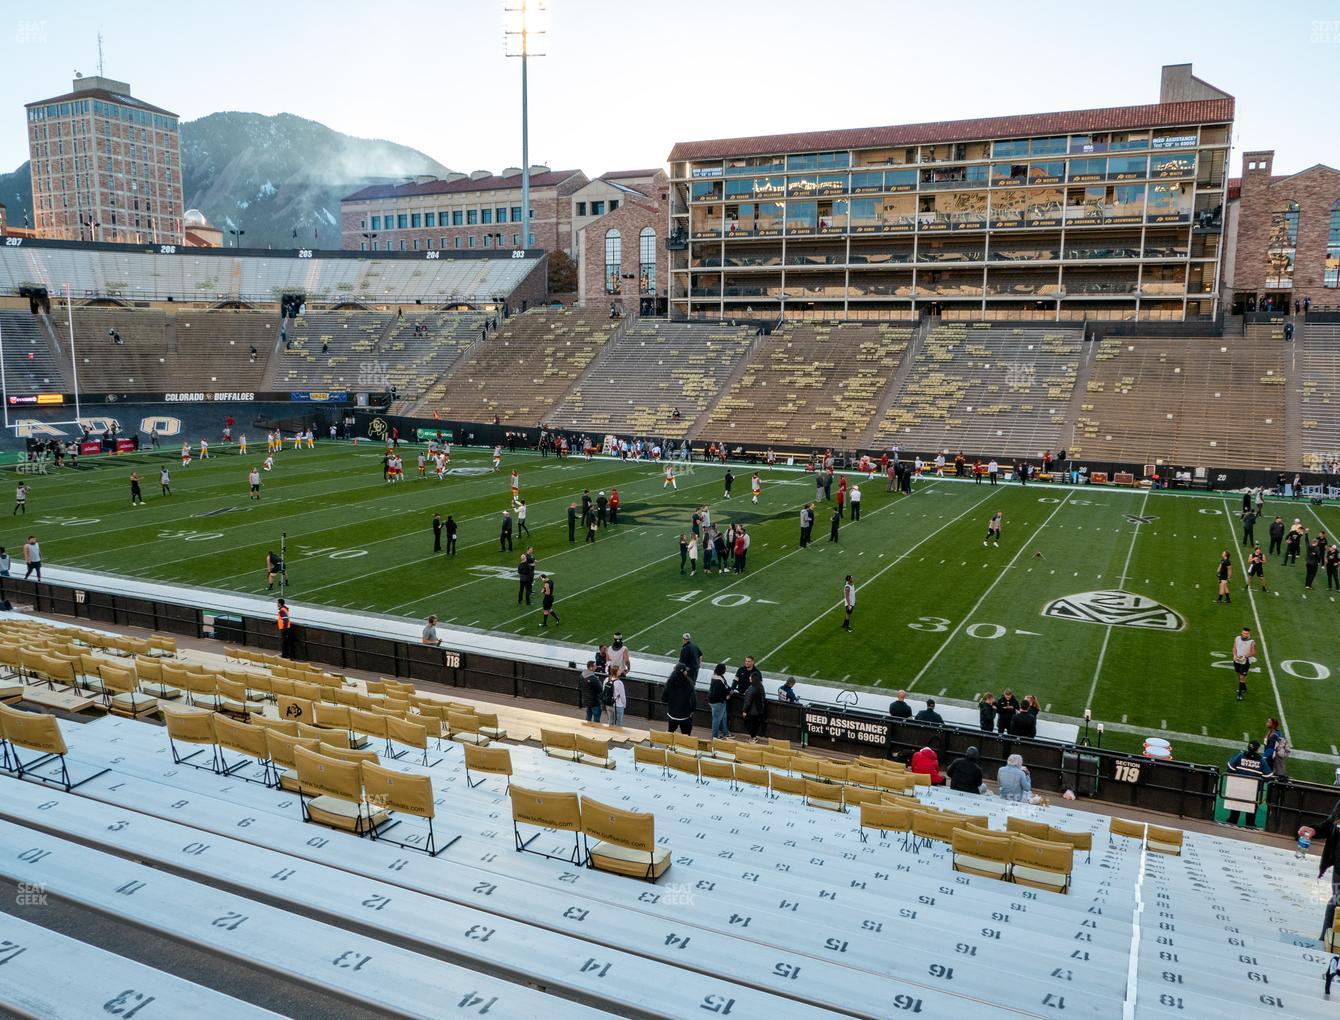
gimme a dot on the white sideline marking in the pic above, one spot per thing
(971, 613)
(888, 566)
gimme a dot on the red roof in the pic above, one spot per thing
(120, 98)
(1112, 118)
(491, 183)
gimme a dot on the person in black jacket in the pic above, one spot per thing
(965, 774)
(929, 714)
(437, 533)
(718, 695)
(744, 677)
(1006, 705)
(679, 698)
(691, 656)
(591, 691)
(986, 712)
(451, 529)
(899, 708)
(1330, 859)
(756, 707)
(572, 522)
(1024, 724)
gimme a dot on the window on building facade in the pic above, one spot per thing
(485, 215)
(430, 219)
(457, 218)
(1331, 276)
(500, 215)
(581, 208)
(613, 258)
(646, 275)
(614, 204)
(416, 244)
(470, 241)
(456, 241)
(487, 239)
(516, 214)
(415, 220)
(516, 240)
(1282, 247)
(471, 217)
(597, 208)
(531, 240)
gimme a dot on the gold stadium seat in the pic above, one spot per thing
(794, 785)
(751, 775)
(281, 747)
(546, 810)
(412, 735)
(1025, 827)
(387, 790)
(824, 795)
(1081, 840)
(192, 726)
(711, 768)
(624, 841)
(29, 731)
(1164, 841)
(685, 763)
(330, 792)
(488, 725)
(492, 760)
(592, 751)
(463, 728)
(1124, 827)
(746, 755)
(858, 795)
(886, 818)
(121, 692)
(1040, 865)
(979, 853)
(643, 755)
(660, 738)
(559, 744)
(250, 741)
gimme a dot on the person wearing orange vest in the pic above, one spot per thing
(284, 621)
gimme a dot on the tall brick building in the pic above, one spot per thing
(621, 257)
(459, 211)
(105, 166)
(1283, 237)
(1111, 213)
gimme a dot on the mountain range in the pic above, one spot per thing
(277, 178)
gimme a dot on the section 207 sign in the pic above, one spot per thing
(855, 729)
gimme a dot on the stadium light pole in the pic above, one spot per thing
(525, 29)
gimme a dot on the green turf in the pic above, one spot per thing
(937, 613)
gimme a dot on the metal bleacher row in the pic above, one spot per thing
(183, 276)
(1201, 400)
(811, 384)
(794, 885)
(651, 372)
(1320, 390)
(982, 387)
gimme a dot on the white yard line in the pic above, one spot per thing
(1023, 547)
(1121, 586)
(1260, 636)
(879, 573)
(780, 559)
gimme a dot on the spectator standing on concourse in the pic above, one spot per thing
(756, 707)
(986, 712)
(899, 708)
(929, 714)
(679, 698)
(1006, 705)
(591, 689)
(1330, 859)
(718, 697)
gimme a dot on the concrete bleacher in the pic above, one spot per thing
(1319, 388)
(772, 906)
(1000, 390)
(353, 342)
(416, 365)
(523, 369)
(811, 384)
(31, 366)
(1188, 401)
(653, 371)
(139, 275)
(866, 928)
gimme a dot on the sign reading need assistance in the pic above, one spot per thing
(842, 727)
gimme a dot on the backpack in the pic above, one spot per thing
(1281, 747)
(607, 693)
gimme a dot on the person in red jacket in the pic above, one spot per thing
(927, 763)
(614, 506)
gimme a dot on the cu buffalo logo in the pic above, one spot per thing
(377, 428)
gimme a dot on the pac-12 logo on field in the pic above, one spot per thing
(1114, 609)
(469, 471)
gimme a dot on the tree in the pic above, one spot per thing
(562, 273)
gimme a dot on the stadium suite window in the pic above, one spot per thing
(485, 215)
(430, 219)
(500, 215)
(401, 221)
(415, 220)
(472, 217)
(456, 218)
(516, 214)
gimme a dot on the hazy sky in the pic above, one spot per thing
(623, 81)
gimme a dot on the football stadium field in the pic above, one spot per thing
(1095, 597)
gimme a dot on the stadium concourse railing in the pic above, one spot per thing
(1176, 788)
(378, 426)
